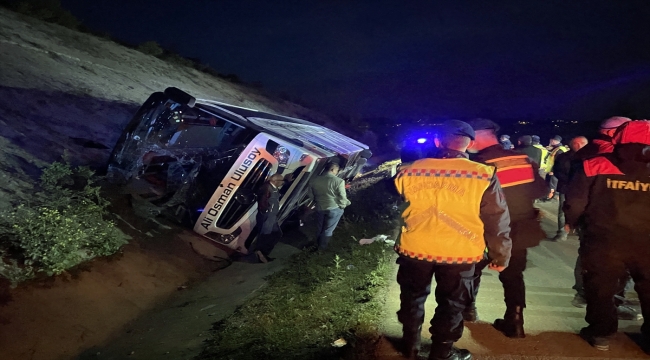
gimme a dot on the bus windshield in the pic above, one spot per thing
(181, 127)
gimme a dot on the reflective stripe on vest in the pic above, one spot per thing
(513, 170)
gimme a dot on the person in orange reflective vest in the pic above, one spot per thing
(454, 209)
(521, 183)
(609, 198)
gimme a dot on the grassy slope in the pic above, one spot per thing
(320, 297)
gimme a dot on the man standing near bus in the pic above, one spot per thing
(328, 191)
(268, 206)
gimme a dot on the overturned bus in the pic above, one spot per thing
(200, 162)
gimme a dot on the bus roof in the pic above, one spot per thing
(310, 134)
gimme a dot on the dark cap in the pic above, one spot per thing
(535, 139)
(457, 127)
(483, 124)
(526, 140)
(557, 137)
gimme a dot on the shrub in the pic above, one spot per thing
(176, 59)
(47, 10)
(65, 224)
(151, 48)
(12, 270)
(232, 78)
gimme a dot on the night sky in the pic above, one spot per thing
(581, 60)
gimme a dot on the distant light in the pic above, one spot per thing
(422, 140)
(200, 210)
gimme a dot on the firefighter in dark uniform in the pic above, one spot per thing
(609, 198)
(454, 208)
(521, 183)
(599, 146)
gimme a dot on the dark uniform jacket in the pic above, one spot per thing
(268, 206)
(599, 146)
(610, 194)
(565, 164)
(568, 163)
(521, 183)
(268, 199)
(534, 154)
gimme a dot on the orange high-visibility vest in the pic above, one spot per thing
(442, 222)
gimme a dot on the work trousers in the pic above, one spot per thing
(452, 295)
(327, 221)
(604, 265)
(512, 279)
(625, 283)
(269, 232)
(560, 215)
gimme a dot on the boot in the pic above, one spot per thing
(470, 314)
(323, 241)
(561, 236)
(512, 324)
(411, 343)
(447, 351)
(599, 342)
(312, 247)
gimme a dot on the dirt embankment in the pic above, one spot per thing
(61, 90)
(57, 318)
(65, 90)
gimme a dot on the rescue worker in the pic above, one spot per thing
(525, 145)
(544, 160)
(453, 208)
(608, 198)
(268, 206)
(603, 143)
(562, 172)
(556, 148)
(521, 183)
